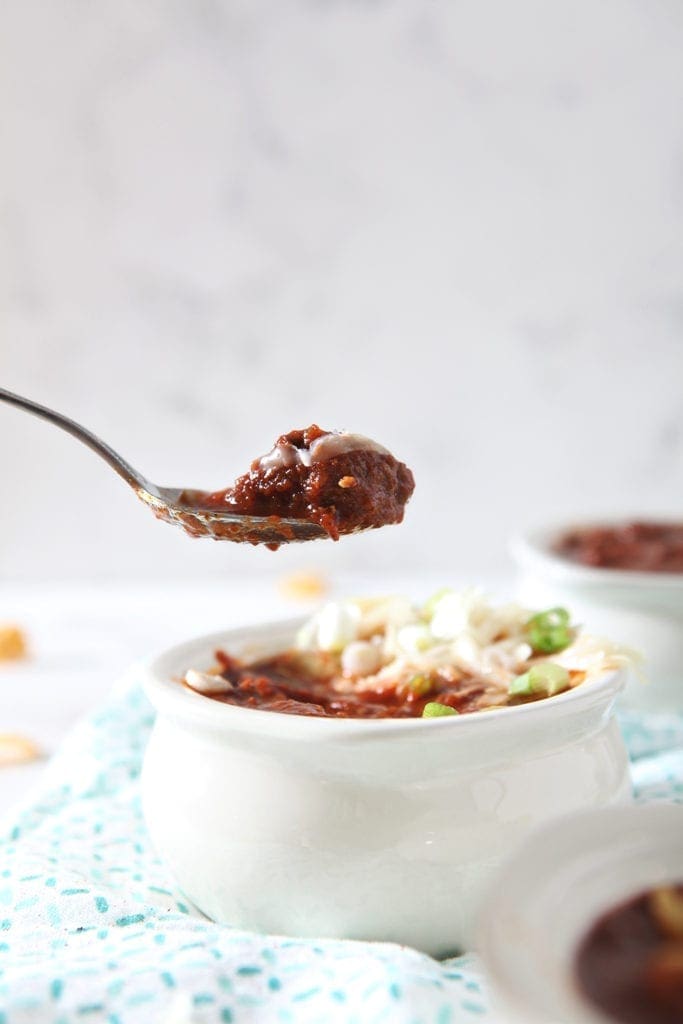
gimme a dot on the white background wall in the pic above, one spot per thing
(457, 227)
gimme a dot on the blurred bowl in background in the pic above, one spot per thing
(567, 875)
(643, 610)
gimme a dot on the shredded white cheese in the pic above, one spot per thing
(388, 638)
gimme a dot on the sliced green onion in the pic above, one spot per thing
(420, 685)
(547, 678)
(551, 677)
(429, 607)
(552, 617)
(549, 632)
(549, 641)
(435, 710)
(521, 686)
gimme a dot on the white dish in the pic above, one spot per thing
(554, 888)
(643, 610)
(370, 829)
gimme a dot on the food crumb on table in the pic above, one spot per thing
(303, 586)
(17, 749)
(12, 643)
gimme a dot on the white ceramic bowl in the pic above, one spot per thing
(554, 888)
(369, 829)
(641, 609)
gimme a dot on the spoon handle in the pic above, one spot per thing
(76, 430)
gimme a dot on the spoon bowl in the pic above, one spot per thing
(171, 505)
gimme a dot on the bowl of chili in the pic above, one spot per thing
(381, 828)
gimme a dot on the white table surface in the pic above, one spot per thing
(83, 636)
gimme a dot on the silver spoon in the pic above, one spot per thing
(167, 502)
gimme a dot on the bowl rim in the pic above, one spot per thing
(167, 694)
(532, 548)
(564, 834)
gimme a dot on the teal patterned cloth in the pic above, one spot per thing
(93, 931)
